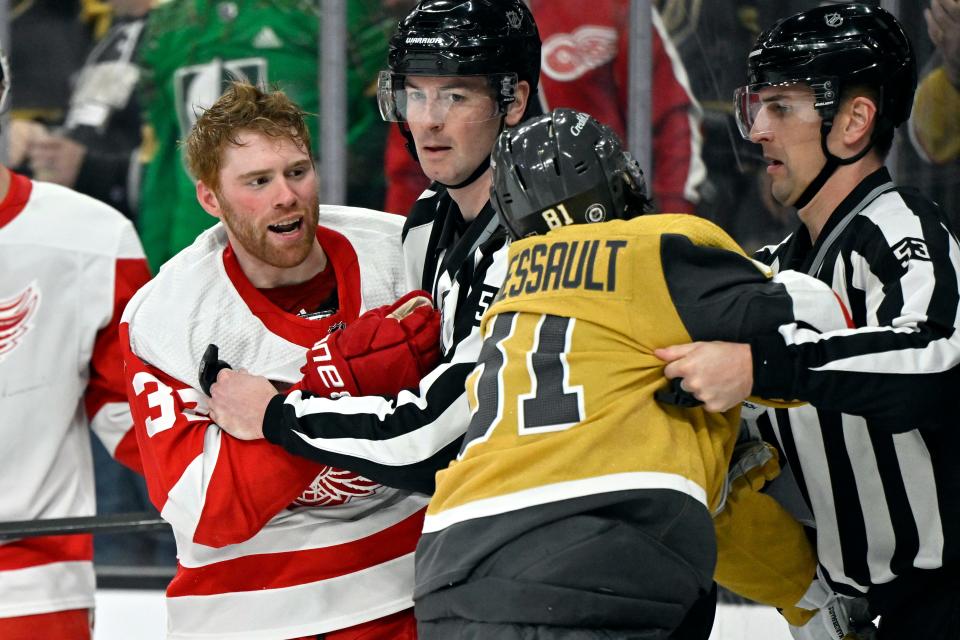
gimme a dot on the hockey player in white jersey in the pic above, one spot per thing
(69, 265)
(271, 545)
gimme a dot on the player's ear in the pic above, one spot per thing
(207, 198)
(519, 105)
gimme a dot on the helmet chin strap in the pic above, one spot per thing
(831, 165)
(479, 171)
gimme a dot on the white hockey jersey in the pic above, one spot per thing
(68, 266)
(270, 545)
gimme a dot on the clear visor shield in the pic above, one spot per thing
(441, 99)
(761, 108)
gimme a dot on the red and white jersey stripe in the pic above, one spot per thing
(69, 266)
(270, 545)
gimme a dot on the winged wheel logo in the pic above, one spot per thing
(16, 314)
(333, 487)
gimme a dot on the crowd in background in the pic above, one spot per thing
(104, 108)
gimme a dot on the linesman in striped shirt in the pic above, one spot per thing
(874, 451)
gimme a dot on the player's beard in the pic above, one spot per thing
(256, 240)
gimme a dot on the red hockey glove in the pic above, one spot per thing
(382, 352)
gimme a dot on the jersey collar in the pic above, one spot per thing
(16, 198)
(303, 331)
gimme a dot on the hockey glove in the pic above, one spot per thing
(762, 552)
(840, 618)
(754, 464)
(384, 351)
(210, 366)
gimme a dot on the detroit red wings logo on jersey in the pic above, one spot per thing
(567, 56)
(334, 487)
(16, 313)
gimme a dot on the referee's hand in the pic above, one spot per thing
(238, 402)
(719, 374)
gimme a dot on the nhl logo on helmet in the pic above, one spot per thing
(833, 20)
(596, 213)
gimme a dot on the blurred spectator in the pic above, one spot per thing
(584, 66)
(94, 150)
(43, 81)
(714, 39)
(191, 50)
(935, 124)
(370, 24)
(941, 182)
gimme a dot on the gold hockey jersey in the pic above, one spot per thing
(562, 399)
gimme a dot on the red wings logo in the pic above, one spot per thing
(567, 56)
(334, 487)
(15, 316)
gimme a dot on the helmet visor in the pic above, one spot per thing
(441, 99)
(760, 108)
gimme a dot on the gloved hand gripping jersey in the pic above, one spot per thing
(384, 351)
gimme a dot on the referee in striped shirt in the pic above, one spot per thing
(874, 453)
(460, 73)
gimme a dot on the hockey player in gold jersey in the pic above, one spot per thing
(580, 506)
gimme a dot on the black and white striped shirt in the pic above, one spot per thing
(874, 453)
(404, 442)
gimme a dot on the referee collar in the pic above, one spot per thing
(800, 256)
(459, 243)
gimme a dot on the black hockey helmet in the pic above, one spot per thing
(563, 168)
(832, 48)
(467, 38)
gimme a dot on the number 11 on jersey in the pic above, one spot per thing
(546, 402)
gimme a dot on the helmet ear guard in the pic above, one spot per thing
(635, 195)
